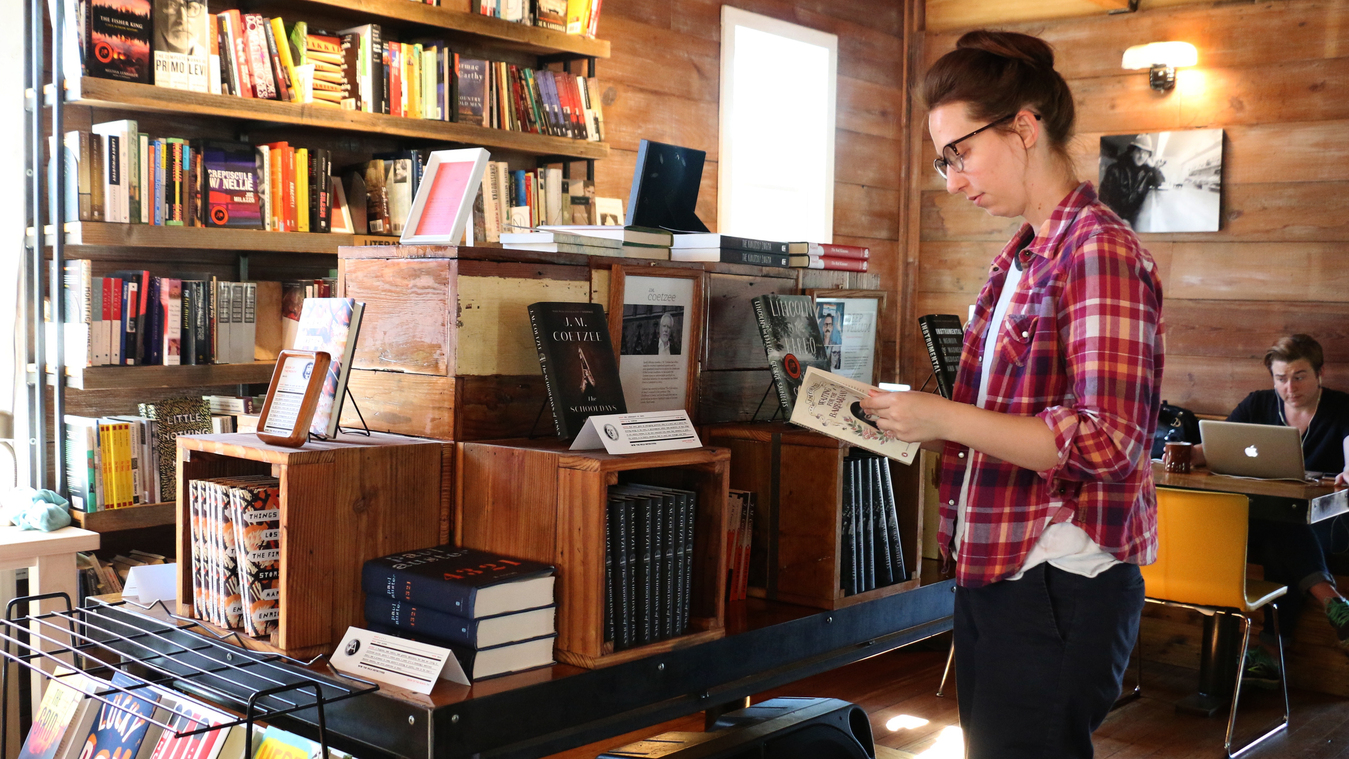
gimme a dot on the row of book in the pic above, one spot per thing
(740, 508)
(71, 723)
(137, 318)
(236, 525)
(648, 564)
(113, 462)
(494, 612)
(872, 554)
(713, 247)
(571, 16)
(502, 95)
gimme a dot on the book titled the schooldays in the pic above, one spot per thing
(579, 369)
(464, 582)
(792, 339)
(943, 335)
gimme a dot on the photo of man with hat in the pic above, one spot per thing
(1127, 182)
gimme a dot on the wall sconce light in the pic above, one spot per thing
(1161, 59)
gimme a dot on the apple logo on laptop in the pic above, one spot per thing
(1252, 452)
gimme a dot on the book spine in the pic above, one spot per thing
(730, 242)
(418, 590)
(608, 573)
(550, 380)
(899, 569)
(425, 620)
(831, 250)
(884, 574)
(847, 561)
(660, 567)
(752, 258)
(687, 511)
(646, 601)
(934, 355)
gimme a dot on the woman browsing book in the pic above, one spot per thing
(1047, 501)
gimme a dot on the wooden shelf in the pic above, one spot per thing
(531, 39)
(198, 375)
(127, 517)
(113, 234)
(106, 93)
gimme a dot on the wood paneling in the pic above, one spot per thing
(662, 83)
(1267, 76)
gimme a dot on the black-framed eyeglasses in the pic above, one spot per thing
(949, 156)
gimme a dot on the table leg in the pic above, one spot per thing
(52, 574)
(1217, 667)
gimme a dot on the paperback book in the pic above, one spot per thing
(331, 325)
(792, 339)
(580, 371)
(232, 198)
(831, 404)
(118, 45)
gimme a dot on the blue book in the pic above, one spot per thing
(121, 729)
(474, 633)
(521, 198)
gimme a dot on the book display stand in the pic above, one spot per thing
(343, 501)
(536, 500)
(798, 475)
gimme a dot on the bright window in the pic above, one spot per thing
(775, 179)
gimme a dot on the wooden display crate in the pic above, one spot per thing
(798, 476)
(734, 365)
(536, 500)
(342, 502)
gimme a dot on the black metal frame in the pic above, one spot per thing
(193, 661)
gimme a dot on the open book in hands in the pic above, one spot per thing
(830, 403)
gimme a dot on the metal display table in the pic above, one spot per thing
(536, 713)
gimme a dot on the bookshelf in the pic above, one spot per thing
(100, 234)
(135, 517)
(131, 96)
(116, 377)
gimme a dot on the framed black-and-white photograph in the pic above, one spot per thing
(653, 318)
(1164, 181)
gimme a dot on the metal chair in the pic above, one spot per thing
(1201, 565)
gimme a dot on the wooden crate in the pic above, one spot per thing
(734, 365)
(536, 500)
(342, 502)
(798, 476)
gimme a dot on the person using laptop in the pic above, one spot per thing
(1047, 499)
(1295, 554)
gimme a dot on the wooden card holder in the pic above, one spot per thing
(798, 476)
(343, 501)
(285, 418)
(536, 500)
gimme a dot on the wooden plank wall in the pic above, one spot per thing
(661, 83)
(1270, 74)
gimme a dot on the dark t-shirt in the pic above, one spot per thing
(1323, 445)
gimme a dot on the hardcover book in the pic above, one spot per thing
(464, 582)
(331, 325)
(792, 339)
(830, 404)
(474, 633)
(182, 44)
(174, 417)
(119, 40)
(232, 198)
(579, 368)
(944, 336)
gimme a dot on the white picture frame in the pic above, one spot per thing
(444, 200)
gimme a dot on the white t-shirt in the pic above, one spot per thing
(1064, 545)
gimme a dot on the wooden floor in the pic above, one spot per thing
(905, 681)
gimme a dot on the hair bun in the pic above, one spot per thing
(1012, 45)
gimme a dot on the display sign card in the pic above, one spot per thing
(394, 661)
(638, 433)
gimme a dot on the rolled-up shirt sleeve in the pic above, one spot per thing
(1109, 318)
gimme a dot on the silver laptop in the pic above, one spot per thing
(1253, 450)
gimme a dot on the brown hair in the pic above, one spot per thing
(997, 73)
(1291, 348)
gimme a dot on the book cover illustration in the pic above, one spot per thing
(232, 193)
(174, 417)
(122, 726)
(830, 404)
(257, 526)
(792, 340)
(119, 40)
(51, 722)
(331, 325)
(207, 745)
(579, 368)
(182, 44)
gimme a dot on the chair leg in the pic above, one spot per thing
(950, 658)
(1236, 695)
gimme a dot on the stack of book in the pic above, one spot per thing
(739, 537)
(814, 255)
(235, 413)
(137, 318)
(235, 525)
(648, 567)
(495, 613)
(710, 246)
(637, 242)
(872, 554)
(562, 242)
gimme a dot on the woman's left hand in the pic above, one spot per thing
(913, 417)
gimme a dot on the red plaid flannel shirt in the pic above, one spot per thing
(1081, 348)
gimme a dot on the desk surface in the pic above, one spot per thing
(27, 544)
(1282, 500)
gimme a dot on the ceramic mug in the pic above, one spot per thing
(1178, 456)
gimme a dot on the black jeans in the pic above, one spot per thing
(1294, 555)
(1040, 660)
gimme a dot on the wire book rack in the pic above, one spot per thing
(208, 677)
